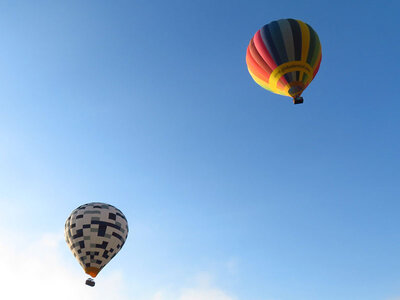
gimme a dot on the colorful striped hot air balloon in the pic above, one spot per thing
(284, 56)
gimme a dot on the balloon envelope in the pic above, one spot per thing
(95, 232)
(284, 56)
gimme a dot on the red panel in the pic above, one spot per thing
(255, 68)
(282, 83)
(256, 56)
(317, 68)
(262, 50)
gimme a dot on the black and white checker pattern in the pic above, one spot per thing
(95, 232)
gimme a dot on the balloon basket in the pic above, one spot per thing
(90, 282)
(298, 100)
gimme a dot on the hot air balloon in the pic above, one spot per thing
(95, 232)
(284, 56)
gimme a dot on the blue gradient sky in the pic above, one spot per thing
(148, 105)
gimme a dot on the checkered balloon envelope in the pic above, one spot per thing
(95, 232)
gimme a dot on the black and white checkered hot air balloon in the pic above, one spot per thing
(95, 232)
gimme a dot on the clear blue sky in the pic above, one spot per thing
(148, 105)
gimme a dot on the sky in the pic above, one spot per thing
(231, 192)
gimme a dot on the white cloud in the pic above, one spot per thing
(41, 268)
(232, 266)
(203, 294)
(37, 270)
(202, 290)
(196, 293)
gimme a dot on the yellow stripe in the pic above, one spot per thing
(267, 86)
(305, 39)
(288, 67)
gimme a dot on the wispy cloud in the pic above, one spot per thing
(204, 293)
(37, 269)
(195, 293)
(201, 289)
